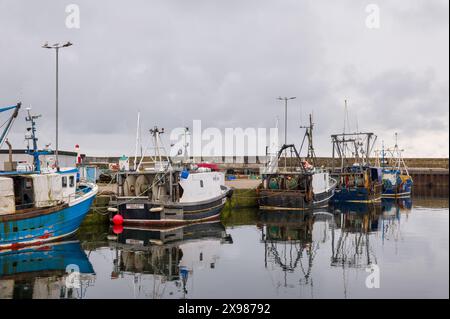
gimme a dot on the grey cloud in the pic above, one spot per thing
(223, 62)
(406, 100)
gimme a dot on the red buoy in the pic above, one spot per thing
(117, 229)
(117, 219)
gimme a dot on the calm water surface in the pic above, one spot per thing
(250, 255)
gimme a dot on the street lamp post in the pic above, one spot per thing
(57, 46)
(285, 99)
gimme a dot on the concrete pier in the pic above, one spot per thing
(253, 163)
(430, 178)
(426, 172)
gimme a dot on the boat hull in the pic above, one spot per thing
(390, 194)
(284, 200)
(147, 213)
(357, 195)
(402, 191)
(40, 226)
(396, 185)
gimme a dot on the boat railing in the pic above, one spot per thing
(131, 197)
(55, 202)
(50, 203)
(290, 172)
(79, 193)
(293, 191)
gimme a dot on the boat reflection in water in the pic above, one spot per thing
(390, 219)
(57, 270)
(289, 242)
(168, 254)
(392, 208)
(351, 247)
(357, 223)
(343, 232)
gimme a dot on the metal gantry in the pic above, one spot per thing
(357, 146)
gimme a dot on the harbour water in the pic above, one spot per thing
(328, 254)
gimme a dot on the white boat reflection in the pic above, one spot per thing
(169, 255)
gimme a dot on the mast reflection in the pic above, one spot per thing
(293, 240)
(167, 254)
(288, 242)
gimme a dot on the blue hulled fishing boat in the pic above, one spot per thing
(397, 183)
(357, 180)
(40, 202)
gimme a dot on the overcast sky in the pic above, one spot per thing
(224, 62)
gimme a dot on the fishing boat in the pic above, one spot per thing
(357, 180)
(397, 183)
(166, 193)
(40, 202)
(301, 186)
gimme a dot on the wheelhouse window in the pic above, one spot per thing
(71, 181)
(64, 181)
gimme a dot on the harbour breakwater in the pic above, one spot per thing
(426, 172)
(427, 185)
(254, 163)
(430, 176)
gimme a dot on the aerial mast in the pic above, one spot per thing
(34, 152)
(309, 134)
(186, 144)
(138, 138)
(344, 144)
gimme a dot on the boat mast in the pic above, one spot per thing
(155, 132)
(344, 144)
(401, 161)
(137, 139)
(397, 151)
(34, 152)
(158, 145)
(186, 144)
(311, 155)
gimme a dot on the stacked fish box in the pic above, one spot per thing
(7, 201)
(47, 189)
